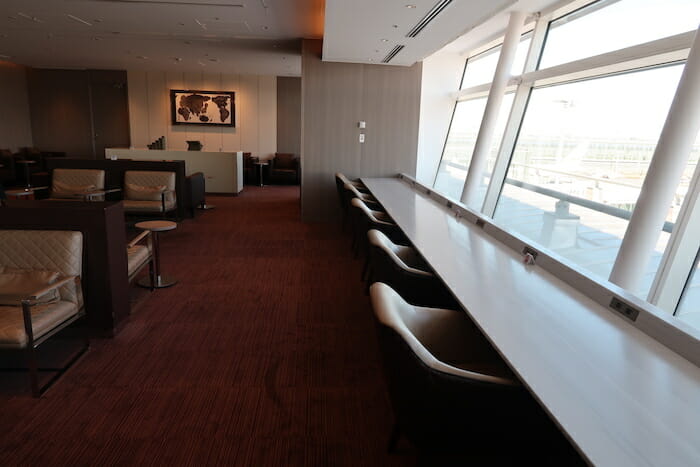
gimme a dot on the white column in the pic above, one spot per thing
(665, 171)
(493, 105)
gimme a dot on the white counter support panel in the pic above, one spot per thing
(620, 396)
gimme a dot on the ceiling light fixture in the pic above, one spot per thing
(30, 18)
(5, 56)
(410, 6)
(385, 40)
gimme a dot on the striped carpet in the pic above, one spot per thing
(263, 354)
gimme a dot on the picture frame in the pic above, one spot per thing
(204, 108)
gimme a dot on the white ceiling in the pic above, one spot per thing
(229, 36)
(365, 31)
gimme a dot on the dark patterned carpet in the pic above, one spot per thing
(263, 354)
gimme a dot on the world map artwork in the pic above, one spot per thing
(202, 107)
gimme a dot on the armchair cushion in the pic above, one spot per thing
(61, 190)
(60, 251)
(144, 193)
(18, 284)
(44, 318)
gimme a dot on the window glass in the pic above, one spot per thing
(689, 307)
(459, 147)
(581, 157)
(484, 180)
(610, 25)
(481, 68)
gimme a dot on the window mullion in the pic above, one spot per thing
(515, 118)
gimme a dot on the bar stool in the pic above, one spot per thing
(451, 393)
(404, 270)
(158, 281)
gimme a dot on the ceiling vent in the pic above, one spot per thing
(392, 54)
(436, 10)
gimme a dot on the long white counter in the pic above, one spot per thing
(223, 171)
(618, 394)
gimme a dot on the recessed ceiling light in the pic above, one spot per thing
(180, 24)
(213, 59)
(371, 59)
(97, 20)
(142, 57)
(394, 25)
(410, 6)
(385, 40)
(266, 27)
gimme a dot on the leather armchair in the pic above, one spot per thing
(250, 170)
(285, 169)
(40, 291)
(149, 192)
(196, 189)
(77, 184)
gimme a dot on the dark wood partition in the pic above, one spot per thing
(114, 173)
(105, 281)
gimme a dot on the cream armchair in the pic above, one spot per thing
(149, 192)
(80, 184)
(40, 292)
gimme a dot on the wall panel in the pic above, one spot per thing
(255, 130)
(289, 115)
(16, 127)
(335, 97)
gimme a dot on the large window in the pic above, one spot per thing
(580, 160)
(573, 144)
(610, 25)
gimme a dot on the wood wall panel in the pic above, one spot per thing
(267, 116)
(252, 131)
(59, 102)
(138, 105)
(289, 115)
(335, 97)
(15, 131)
(391, 105)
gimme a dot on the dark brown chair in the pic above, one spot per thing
(8, 171)
(250, 170)
(284, 169)
(452, 395)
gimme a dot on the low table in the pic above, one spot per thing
(156, 227)
(24, 193)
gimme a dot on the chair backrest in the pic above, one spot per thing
(49, 250)
(149, 178)
(375, 217)
(78, 177)
(404, 257)
(435, 335)
(284, 161)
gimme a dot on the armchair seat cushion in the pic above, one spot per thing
(44, 318)
(144, 193)
(137, 256)
(74, 183)
(147, 206)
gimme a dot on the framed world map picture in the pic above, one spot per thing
(203, 108)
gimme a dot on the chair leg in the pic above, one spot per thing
(33, 371)
(394, 438)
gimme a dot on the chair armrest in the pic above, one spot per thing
(138, 238)
(41, 292)
(163, 196)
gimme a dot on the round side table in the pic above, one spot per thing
(159, 282)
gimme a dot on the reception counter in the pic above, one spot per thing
(223, 171)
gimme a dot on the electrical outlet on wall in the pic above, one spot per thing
(362, 137)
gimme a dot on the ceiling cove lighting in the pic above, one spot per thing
(174, 2)
(79, 20)
(392, 54)
(436, 10)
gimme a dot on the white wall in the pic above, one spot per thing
(442, 74)
(256, 111)
(15, 126)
